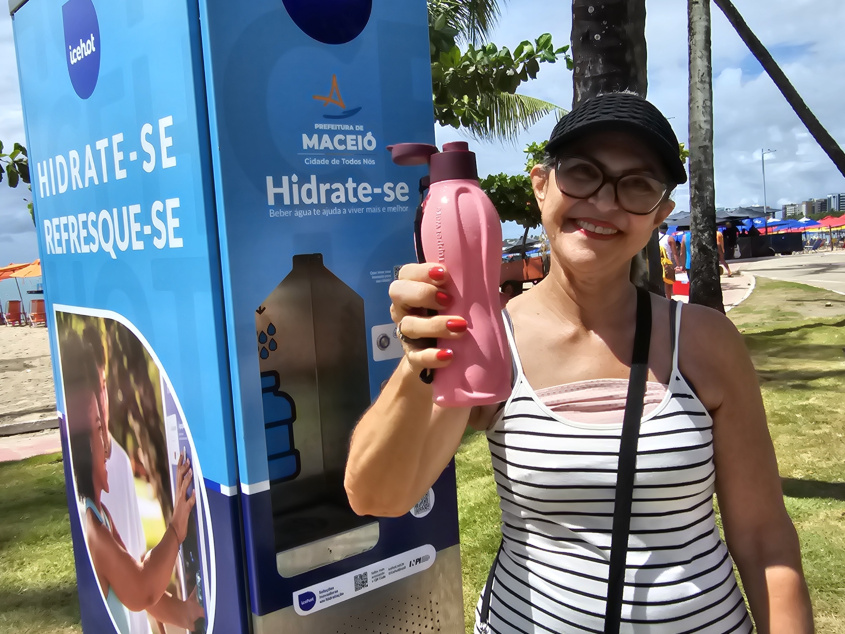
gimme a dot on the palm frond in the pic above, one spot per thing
(472, 19)
(510, 115)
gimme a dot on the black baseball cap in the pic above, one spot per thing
(624, 112)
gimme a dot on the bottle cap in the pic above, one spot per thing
(454, 162)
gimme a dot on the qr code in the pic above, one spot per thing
(396, 271)
(360, 581)
(423, 506)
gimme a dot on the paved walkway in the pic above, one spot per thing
(28, 445)
(824, 269)
(734, 289)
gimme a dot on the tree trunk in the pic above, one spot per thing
(822, 137)
(609, 55)
(608, 48)
(705, 287)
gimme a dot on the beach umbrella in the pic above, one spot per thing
(33, 269)
(6, 272)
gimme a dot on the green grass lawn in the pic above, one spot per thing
(801, 364)
(37, 579)
(795, 334)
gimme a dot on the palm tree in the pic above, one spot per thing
(820, 134)
(608, 47)
(706, 288)
(475, 89)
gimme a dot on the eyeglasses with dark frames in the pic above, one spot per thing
(580, 177)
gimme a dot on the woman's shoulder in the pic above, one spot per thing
(709, 348)
(702, 322)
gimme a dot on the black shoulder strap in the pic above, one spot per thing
(628, 464)
(484, 614)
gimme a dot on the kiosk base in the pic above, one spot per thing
(423, 603)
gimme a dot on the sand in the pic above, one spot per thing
(26, 375)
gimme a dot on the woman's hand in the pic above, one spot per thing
(417, 292)
(173, 611)
(194, 611)
(183, 504)
(404, 441)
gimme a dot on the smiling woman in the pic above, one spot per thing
(623, 419)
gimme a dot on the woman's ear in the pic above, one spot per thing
(539, 182)
(663, 211)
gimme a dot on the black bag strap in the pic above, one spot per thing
(628, 464)
(484, 610)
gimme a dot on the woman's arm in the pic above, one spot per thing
(140, 584)
(176, 612)
(401, 446)
(758, 531)
(404, 441)
(137, 584)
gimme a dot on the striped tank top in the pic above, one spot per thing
(556, 481)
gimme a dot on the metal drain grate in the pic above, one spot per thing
(412, 614)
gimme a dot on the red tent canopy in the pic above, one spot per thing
(833, 221)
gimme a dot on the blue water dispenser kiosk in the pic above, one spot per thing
(315, 220)
(219, 220)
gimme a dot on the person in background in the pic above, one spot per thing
(720, 247)
(668, 259)
(605, 185)
(731, 235)
(671, 245)
(686, 251)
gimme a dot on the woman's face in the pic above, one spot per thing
(91, 409)
(597, 232)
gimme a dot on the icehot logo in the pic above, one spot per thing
(307, 600)
(82, 45)
(330, 21)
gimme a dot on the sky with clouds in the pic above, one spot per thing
(750, 114)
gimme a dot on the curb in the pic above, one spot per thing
(747, 293)
(29, 426)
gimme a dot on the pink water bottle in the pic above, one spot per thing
(461, 229)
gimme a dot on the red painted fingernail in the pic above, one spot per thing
(437, 273)
(444, 355)
(442, 298)
(457, 325)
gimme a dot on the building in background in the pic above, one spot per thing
(820, 205)
(792, 210)
(836, 203)
(806, 207)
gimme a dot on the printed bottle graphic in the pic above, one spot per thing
(313, 357)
